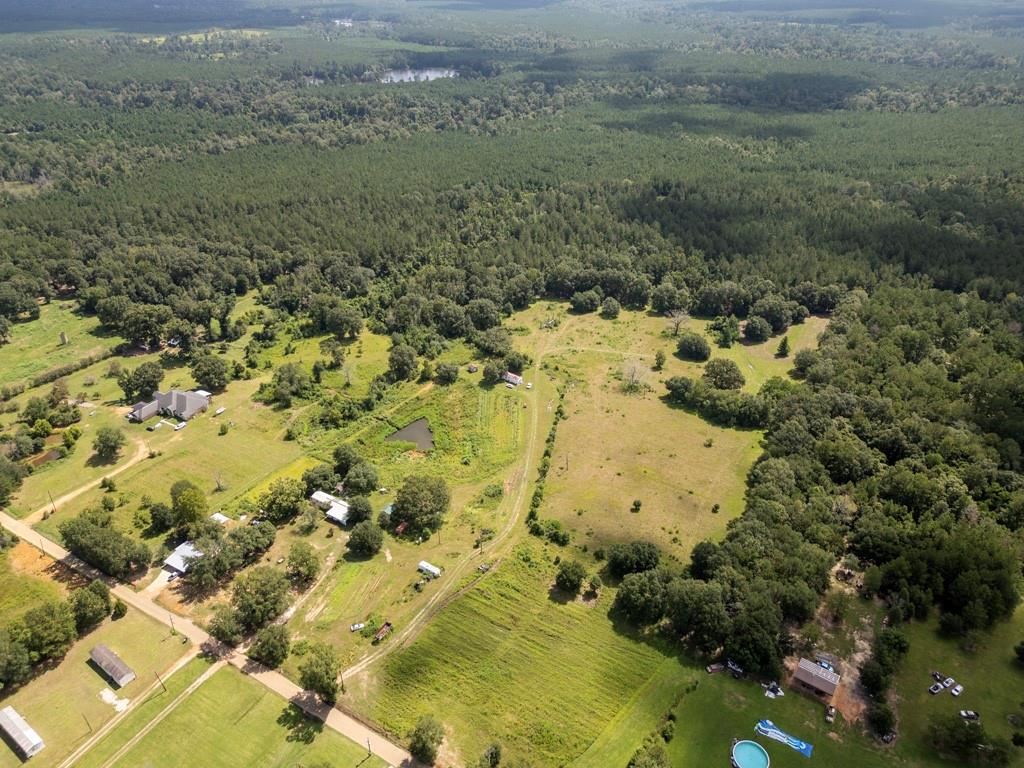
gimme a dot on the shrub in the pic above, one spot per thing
(693, 346)
(570, 576)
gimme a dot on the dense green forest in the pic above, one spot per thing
(733, 160)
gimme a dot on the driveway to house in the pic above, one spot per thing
(141, 452)
(345, 724)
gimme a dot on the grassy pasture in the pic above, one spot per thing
(507, 662)
(615, 446)
(35, 345)
(231, 721)
(252, 450)
(64, 706)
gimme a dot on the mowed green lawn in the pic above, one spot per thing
(993, 684)
(231, 721)
(35, 345)
(64, 705)
(507, 662)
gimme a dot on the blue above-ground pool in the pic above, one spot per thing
(749, 754)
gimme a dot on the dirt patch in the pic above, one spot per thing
(26, 559)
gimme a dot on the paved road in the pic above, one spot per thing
(334, 718)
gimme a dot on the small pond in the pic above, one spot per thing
(417, 432)
(417, 75)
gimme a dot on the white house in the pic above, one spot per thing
(338, 512)
(512, 378)
(429, 570)
(178, 559)
(323, 499)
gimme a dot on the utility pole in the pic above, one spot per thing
(52, 505)
(161, 681)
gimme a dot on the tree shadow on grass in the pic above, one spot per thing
(558, 595)
(301, 728)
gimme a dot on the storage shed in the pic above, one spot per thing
(112, 665)
(19, 733)
(429, 570)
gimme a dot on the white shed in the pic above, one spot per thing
(20, 733)
(429, 570)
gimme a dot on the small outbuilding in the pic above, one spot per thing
(221, 518)
(512, 378)
(428, 570)
(816, 678)
(19, 733)
(179, 559)
(112, 665)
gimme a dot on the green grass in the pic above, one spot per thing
(722, 709)
(505, 662)
(21, 590)
(616, 447)
(143, 713)
(232, 721)
(63, 705)
(35, 345)
(993, 684)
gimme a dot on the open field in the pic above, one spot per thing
(23, 583)
(231, 721)
(64, 704)
(507, 661)
(35, 345)
(615, 447)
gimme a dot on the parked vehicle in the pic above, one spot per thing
(715, 668)
(830, 714)
(957, 690)
(890, 737)
(936, 688)
(180, 426)
(938, 677)
(357, 627)
(948, 682)
(969, 714)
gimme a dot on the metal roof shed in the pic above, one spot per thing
(815, 677)
(430, 570)
(112, 665)
(20, 733)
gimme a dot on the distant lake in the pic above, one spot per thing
(416, 75)
(417, 432)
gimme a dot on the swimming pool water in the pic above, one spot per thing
(749, 754)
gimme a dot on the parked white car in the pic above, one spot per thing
(957, 690)
(357, 627)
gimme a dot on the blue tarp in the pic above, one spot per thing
(769, 729)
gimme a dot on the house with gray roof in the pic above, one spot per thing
(176, 404)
